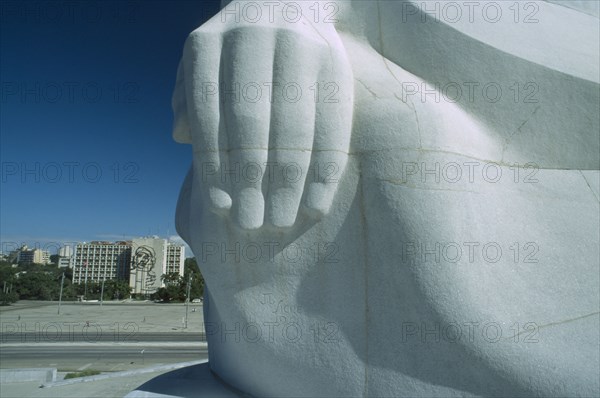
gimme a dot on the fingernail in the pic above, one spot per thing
(283, 207)
(251, 208)
(319, 199)
(220, 200)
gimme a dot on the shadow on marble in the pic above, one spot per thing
(191, 381)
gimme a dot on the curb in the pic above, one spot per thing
(199, 344)
(122, 374)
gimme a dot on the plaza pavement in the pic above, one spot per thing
(126, 316)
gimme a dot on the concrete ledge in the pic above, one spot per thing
(43, 375)
(173, 366)
(199, 344)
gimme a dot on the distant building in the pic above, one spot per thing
(65, 256)
(151, 257)
(142, 262)
(65, 251)
(175, 258)
(29, 256)
(64, 262)
(98, 261)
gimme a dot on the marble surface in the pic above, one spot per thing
(422, 220)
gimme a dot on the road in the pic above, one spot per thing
(104, 338)
(104, 357)
(93, 335)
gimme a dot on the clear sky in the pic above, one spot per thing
(85, 118)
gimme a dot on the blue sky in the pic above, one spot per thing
(85, 118)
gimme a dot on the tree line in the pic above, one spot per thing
(42, 282)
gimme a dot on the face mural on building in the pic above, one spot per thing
(144, 260)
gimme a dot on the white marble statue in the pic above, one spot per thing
(396, 198)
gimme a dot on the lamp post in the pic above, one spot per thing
(102, 292)
(62, 281)
(187, 301)
(85, 264)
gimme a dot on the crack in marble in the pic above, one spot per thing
(324, 38)
(414, 109)
(367, 88)
(554, 324)
(385, 63)
(518, 130)
(589, 186)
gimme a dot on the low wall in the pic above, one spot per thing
(43, 375)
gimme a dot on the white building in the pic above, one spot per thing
(98, 261)
(65, 251)
(64, 262)
(142, 262)
(175, 258)
(65, 256)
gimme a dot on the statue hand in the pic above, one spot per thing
(267, 108)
